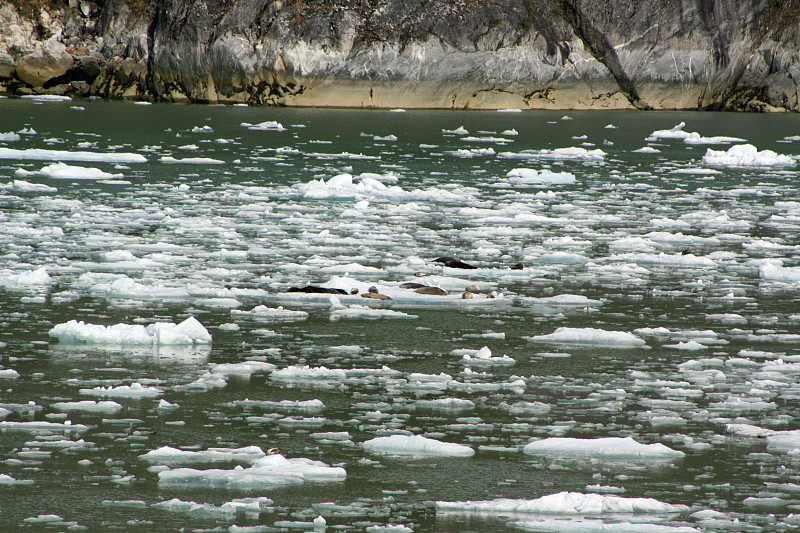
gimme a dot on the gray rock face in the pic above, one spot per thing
(546, 54)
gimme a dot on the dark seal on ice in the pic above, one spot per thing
(452, 262)
(311, 289)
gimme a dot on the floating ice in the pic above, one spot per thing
(558, 153)
(189, 332)
(696, 138)
(134, 390)
(227, 510)
(355, 312)
(604, 447)
(747, 155)
(784, 441)
(64, 171)
(39, 154)
(416, 445)
(192, 160)
(6, 480)
(266, 472)
(9, 137)
(16, 279)
(343, 186)
(771, 271)
(589, 337)
(125, 287)
(46, 427)
(269, 125)
(271, 314)
(676, 132)
(484, 357)
(88, 406)
(167, 455)
(565, 503)
(526, 175)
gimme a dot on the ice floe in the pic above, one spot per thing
(68, 172)
(523, 176)
(589, 337)
(617, 448)
(189, 332)
(747, 155)
(416, 445)
(565, 503)
(267, 472)
(40, 154)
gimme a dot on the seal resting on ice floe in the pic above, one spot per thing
(436, 291)
(452, 262)
(311, 289)
(276, 451)
(372, 292)
(412, 285)
(472, 288)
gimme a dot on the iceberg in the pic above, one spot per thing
(416, 445)
(189, 332)
(267, 472)
(40, 154)
(565, 503)
(589, 337)
(747, 155)
(602, 448)
(524, 176)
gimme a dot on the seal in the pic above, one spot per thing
(436, 291)
(373, 293)
(452, 262)
(311, 289)
(412, 285)
(472, 288)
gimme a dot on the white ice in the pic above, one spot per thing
(268, 472)
(189, 332)
(565, 503)
(603, 448)
(522, 176)
(416, 445)
(170, 456)
(589, 337)
(39, 154)
(747, 155)
(68, 172)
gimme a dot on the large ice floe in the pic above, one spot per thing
(589, 337)
(267, 472)
(189, 332)
(527, 176)
(565, 503)
(63, 171)
(416, 446)
(617, 448)
(40, 154)
(170, 456)
(747, 155)
(345, 186)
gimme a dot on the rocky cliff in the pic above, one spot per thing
(538, 54)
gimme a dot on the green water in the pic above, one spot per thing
(187, 218)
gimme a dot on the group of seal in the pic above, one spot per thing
(420, 288)
(452, 262)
